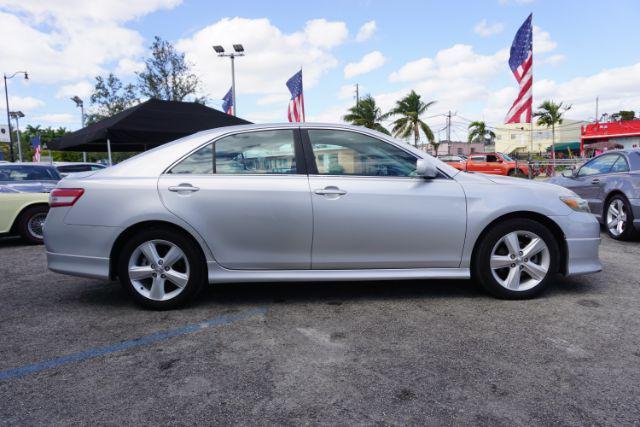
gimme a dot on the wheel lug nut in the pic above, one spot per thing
(160, 262)
(521, 267)
(153, 266)
(153, 274)
(520, 253)
(513, 265)
(526, 260)
(166, 268)
(513, 257)
(163, 276)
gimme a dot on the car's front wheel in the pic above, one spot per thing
(619, 219)
(161, 268)
(516, 259)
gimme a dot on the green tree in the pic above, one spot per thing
(110, 96)
(366, 113)
(46, 135)
(410, 109)
(167, 75)
(550, 114)
(623, 115)
(478, 132)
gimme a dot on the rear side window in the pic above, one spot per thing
(264, 152)
(620, 165)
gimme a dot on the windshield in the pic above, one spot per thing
(506, 158)
(21, 173)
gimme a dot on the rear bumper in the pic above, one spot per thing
(78, 265)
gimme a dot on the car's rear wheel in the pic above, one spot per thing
(31, 223)
(619, 219)
(161, 268)
(516, 173)
(516, 259)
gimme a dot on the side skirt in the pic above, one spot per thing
(218, 274)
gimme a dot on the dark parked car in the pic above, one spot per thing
(610, 183)
(29, 177)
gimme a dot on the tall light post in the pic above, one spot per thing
(238, 51)
(17, 115)
(80, 103)
(6, 97)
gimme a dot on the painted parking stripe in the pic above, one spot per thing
(147, 339)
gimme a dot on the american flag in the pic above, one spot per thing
(37, 148)
(295, 112)
(521, 63)
(227, 105)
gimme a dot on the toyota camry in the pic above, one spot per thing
(309, 202)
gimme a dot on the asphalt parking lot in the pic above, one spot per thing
(78, 351)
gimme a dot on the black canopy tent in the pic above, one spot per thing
(147, 125)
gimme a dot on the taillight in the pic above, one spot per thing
(64, 197)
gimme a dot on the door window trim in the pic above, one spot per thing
(598, 158)
(312, 167)
(301, 164)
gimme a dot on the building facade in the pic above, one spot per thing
(517, 137)
(598, 137)
(455, 148)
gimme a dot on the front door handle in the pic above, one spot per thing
(595, 181)
(184, 187)
(330, 191)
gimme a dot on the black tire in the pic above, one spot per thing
(197, 267)
(517, 173)
(26, 224)
(629, 232)
(482, 257)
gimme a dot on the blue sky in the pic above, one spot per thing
(453, 52)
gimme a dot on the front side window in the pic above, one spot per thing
(264, 152)
(350, 153)
(598, 165)
(478, 159)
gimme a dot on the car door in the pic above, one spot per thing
(589, 180)
(494, 165)
(477, 163)
(371, 211)
(247, 194)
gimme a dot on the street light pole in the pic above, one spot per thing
(6, 97)
(238, 51)
(80, 103)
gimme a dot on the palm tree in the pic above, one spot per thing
(550, 114)
(478, 132)
(410, 109)
(366, 113)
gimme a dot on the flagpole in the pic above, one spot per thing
(302, 96)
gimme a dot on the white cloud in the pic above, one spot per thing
(20, 103)
(57, 119)
(414, 70)
(542, 42)
(272, 55)
(485, 29)
(82, 89)
(367, 63)
(128, 67)
(325, 34)
(552, 59)
(348, 91)
(366, 31)
(70, 40)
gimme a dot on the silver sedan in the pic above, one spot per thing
(310, 203)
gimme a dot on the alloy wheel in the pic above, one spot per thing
(158, 270)
(520, 260)
(36, 224)
(616, 217)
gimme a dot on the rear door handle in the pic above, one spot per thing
(330, 191)
(184, 187)
(595, 181)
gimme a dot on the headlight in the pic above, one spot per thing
(576, 203)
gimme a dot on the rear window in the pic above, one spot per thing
(16, 173)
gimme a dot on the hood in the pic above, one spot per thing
(535, 185)
(31, 186)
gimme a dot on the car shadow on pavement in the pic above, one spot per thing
(8, 242)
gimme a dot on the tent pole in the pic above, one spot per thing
(109, 150)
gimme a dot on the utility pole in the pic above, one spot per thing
(357, 94)
(449, 133)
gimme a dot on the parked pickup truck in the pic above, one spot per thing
(492, 163)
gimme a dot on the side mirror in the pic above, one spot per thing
(426, 169)
(568, 173)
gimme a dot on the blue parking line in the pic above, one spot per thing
(147, 339)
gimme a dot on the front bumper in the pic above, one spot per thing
(582, 234)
